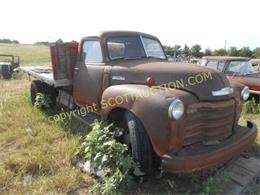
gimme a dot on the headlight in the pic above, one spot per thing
(176, 109)
(245, 93)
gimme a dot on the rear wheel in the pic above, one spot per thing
(40, 87)
(139, 143)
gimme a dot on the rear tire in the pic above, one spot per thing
(40, 87)
(140, 145)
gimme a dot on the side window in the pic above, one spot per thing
(91, 52)
(213, 64)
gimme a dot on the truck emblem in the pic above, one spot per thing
(223, 91)
(120, 78)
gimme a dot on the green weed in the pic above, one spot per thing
(110, 157)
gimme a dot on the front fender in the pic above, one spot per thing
(150, 105)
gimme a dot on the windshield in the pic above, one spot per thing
(134, 47)
(240, 67)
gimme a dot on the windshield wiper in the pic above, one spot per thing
(135, 58)
(152, 57)
(125, 58)
(118, 58)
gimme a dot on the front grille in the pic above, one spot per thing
(208, 121)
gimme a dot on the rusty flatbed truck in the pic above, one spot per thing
(190, 128)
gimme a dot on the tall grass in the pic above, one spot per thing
(29, 54)
(35, 155)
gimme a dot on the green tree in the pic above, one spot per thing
(196, 50)
(59, 41)
(220, 52)
(256, 52)
(207, 52)
(177, 50)
(9, 41)
(233, 51)
(245, 52)
(168, 50)
(186, 50)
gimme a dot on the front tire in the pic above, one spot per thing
(140, 145)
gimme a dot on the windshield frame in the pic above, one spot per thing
(239, 73)
(159, 43)
(140, 37)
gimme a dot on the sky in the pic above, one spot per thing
(207, 22)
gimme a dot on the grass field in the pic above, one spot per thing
(29, 54)
(38, 157)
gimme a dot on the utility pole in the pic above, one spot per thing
(225, 45)
(175, 51)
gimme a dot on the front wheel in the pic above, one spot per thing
(139, 143)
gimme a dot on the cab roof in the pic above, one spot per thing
(256, 61)
(105, 34)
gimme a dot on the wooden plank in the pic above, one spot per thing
(241, 175)
(242, 172)
(251, 164)
(232, 188)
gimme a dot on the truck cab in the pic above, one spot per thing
(8, 63)
(182, 114)
(106, 54)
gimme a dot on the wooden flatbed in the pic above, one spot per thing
(45, 74)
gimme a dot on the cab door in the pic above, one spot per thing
(88, 74)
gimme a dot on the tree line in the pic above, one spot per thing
(196, 51)
(178, 51)
(9, 41)
(47, 43)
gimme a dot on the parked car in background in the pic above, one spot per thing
(195, 60)
(7, 65)
(239, 69)
(256, 64)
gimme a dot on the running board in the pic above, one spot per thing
(88, 119)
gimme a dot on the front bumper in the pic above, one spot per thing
(254, 92)
(197, 157)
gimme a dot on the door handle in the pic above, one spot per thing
(76, 68)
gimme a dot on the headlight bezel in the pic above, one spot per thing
(245, 93)
(176, 109)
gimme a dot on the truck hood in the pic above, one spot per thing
(250, 80)
(198, 80)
